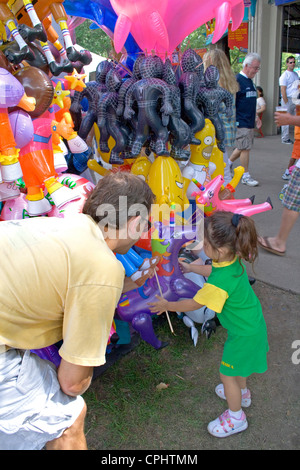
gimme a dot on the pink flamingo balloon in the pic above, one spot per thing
(208, 196)
(144, 20)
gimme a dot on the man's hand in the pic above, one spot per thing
(283, 119)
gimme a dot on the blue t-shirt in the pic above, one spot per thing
(245, 102)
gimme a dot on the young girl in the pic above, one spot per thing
(228, 238)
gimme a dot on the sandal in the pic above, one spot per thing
(267, 246)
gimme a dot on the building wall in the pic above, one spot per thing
(265, 37)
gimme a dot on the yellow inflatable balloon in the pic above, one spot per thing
(217, 159)
(166, 181)
(141, 167)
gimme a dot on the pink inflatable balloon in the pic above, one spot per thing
(15, 209)
(79, 184)
(144, 20)
(182, 17)
(162, 24)
(208, 196)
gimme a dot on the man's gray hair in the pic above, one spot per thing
(250, 58)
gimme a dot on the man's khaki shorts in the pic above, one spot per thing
(33, 409)
(244, 138)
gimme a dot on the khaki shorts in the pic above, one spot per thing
(244, 138)
(33, 410)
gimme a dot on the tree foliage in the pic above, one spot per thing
(95, 40)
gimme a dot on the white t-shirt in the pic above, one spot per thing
(259, 103)
(287, 79)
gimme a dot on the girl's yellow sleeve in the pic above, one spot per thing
(211, 296)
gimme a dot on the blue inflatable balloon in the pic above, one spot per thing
(104, 16)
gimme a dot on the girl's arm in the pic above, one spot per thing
(163, 305)
(196, 266)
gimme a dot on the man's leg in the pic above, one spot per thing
(245, 159)
(288, 220)
(235, 155)
(73, 438)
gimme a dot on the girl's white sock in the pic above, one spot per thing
(236, 414)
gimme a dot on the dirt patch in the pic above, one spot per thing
(179, 417)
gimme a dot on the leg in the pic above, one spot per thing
(242, 382)
(245, 159)
(292, 162)
(290, 214)
(73, 438)
(288, 220)
(234, 419)
(232, 391)
(235, 155)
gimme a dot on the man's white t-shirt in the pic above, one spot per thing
(287, 79)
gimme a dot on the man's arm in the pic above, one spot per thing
(283, 94)
(73, 379)
(286, 119)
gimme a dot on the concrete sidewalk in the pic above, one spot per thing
(268, 160)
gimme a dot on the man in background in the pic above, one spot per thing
(246, 114)
(286, 83)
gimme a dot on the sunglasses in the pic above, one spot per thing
(292, 62)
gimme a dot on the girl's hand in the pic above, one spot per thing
(160, 306)
(184, 266)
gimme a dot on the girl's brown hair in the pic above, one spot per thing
(235, 232)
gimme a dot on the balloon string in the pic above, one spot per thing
(168, 318)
